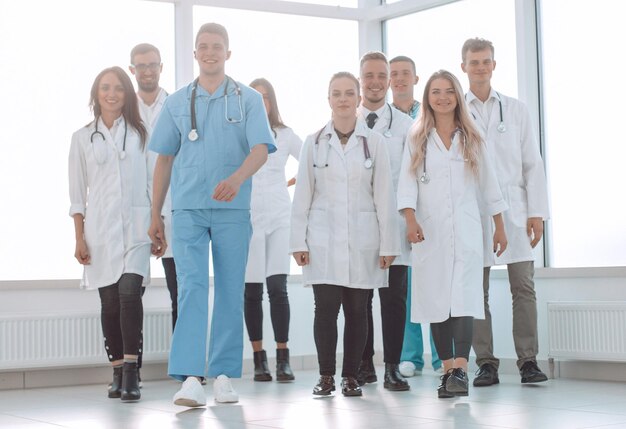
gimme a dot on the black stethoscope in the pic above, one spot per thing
(193, 134)
(368, 163)
(501, 127)
(425, 177)
(122, 154)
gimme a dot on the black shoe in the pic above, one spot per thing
(531, 373)
(139, 378)
(367, 373)
(442, 392)
(283, 369)
(130, 383)
(325, 385)
(261, 370)
(350, 387)
(393, 379)
(457, 382)
(115, 388)
(486, 375)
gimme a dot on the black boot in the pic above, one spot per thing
(283, 369)
(393, 379)
(367, 372)
(130, 383)
(261, 370)
(115, 388)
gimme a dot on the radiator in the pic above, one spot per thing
(53, 340)
(591, 330)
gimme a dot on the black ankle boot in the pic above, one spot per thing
(283, 369)
(115, 388)
(130, 382)
(367, 373)
(261, 370)
(393, 379)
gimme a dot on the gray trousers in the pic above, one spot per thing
(524, 317)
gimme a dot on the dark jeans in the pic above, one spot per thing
(122, 316)
(328, 300)
(172, 286)
(393, 315)
(279, 308)
(453, 337)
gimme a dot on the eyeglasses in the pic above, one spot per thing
(144, 67)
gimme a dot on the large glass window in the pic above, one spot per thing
(297, 54)
(584, 142)
(48, 66)
(433, 39)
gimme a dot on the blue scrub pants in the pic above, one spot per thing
(229, 232)
(413, 346)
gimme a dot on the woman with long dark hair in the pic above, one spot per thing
(268, 257)
(110, 180)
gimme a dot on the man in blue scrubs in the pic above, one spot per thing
(209, 152)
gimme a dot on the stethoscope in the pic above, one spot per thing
(122, 154)
(501, 127)
(387, 132)
(193, 134)
(425, 177)
(368, 163)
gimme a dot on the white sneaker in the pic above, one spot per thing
(223, 390)
(407, 369)
(438, 370)
(191, 394)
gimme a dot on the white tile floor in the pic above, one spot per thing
(556, 404)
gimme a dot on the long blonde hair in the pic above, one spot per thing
(470, 137)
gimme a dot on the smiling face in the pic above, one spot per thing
(211, 54)
(147, 69)
(374, 83)
(403, 79)
(344, 98)
(111, 95)
(442, 97)
(479, 66)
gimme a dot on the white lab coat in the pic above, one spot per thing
(344, 214)
(270, 208)
(520, 172)
(114, 196)
(149, 115)
(448, 208)
(400, 125)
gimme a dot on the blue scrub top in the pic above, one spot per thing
(220, 148)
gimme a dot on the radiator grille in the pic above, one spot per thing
(39, 341)
(587, 330)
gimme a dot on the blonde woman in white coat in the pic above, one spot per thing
(343, 229)
(446, 180)
(268, 256)
(110, 176)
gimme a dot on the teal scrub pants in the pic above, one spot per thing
(413, 346)
(229, 233)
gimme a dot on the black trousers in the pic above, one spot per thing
(393, 315)
(328, 300)
(122, 317)
(453, 337)
(169, 266)
(279, 308)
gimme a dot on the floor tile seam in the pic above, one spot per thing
(33, 420)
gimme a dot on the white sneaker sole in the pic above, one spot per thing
(186, 402)
(227, 399)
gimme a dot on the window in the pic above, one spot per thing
(48, 66)
(584, 141)
(433, 39)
